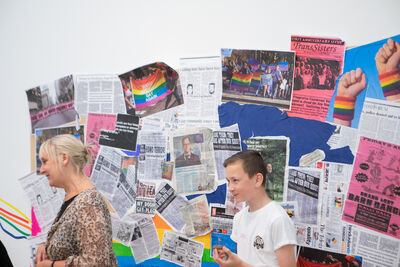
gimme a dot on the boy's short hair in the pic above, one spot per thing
(252, 163)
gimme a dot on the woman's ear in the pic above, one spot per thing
(64, 159)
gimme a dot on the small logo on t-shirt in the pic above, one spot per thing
(258, 242)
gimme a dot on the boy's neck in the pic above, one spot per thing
(259, 200)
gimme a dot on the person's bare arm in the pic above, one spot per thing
(387, 60)
(285, 256)
(351, 84)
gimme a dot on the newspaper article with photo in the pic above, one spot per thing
(179, 249)
(201, 82)
(319, 62)
(196, 215)
(152, 151)
(98, 93)
(115, 176)
(374, 192)
(258, 77)
(52, 104)
(303, 187)
(275, 152)
(167, 205)
(226, 143)
(122, 230)
(94, 124)
(373, 78)
(193, 154)
(221, 221)
(145, 243)
(150, 89)
(307, 235)
(333, 189)
(380, 120)
(125, 134)
(46, 200)
(41, 135)
(291, 208)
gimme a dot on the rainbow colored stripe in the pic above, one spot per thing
(256, 80)
(240, 81)
(150, 90)
(15, 221)
(344, 108)
(390, 82)
(125, 256)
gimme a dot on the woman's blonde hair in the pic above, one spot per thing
(79, 153)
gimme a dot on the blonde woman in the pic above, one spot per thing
(81, 233)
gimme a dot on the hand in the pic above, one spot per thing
(352, 83)
(388, 57)
(232, 261)
(40, 254)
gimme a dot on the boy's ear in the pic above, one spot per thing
(259, 179)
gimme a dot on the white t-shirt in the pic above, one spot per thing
(258, 234)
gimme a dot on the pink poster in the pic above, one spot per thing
(95, 123)
(319, 62)
(373, 199)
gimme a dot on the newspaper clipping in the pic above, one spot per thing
(319, 62)
(258, 77)
(275, 151)
(196, 215)
(181, 250)
(201, 82)
(167, 205)
(46, 200)
(226, 143)
(374, 191)
(52, 104)
(98, 94)
(193, 154)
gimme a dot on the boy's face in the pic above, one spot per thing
(241, 186)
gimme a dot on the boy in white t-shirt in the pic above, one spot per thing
(264, 233)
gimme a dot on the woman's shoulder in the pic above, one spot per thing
(90, 196)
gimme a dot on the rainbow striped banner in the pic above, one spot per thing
(241, 81)
(256, 80)
(125, 256)
(150, 90)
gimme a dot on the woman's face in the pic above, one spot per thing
(51, 169)
(269, 167)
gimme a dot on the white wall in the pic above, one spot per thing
(46, 39)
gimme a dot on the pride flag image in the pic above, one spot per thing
(255, 81)
(240, 81)
(149, 90)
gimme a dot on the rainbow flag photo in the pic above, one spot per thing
(150, 90)
(241, 82)
(256, 79)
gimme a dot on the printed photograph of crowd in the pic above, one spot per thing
(258, 77)
(51, 104)
(315, 73)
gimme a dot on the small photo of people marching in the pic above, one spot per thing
(258, 77)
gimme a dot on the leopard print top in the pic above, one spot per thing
(82, 236)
